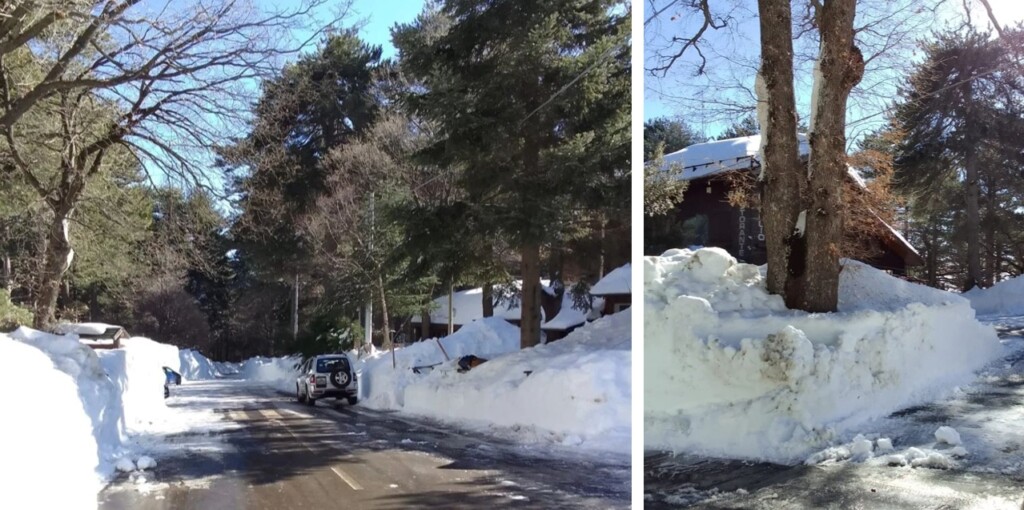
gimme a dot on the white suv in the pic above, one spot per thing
(327, 375)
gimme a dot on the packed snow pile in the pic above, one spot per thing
(52, 442)
(729, 371)
(1004, 298)
(137, 369)
(196, 367)
(575, 391)
(226, 367)
(99, 397)
(383, 387)
(280, 373)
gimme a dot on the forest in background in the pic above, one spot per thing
(494, 147)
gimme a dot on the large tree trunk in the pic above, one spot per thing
(529, 326)
(973, 219)
(488, 300)
(816, 286)
(295, 312)
(781, 170)
(451, 308)
(991, 243)
(425, 324)
(56, 260)
(8, 274)
(385, 320)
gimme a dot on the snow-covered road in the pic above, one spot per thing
(287, 455)
(988, 414)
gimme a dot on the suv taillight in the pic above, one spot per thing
(312, 379)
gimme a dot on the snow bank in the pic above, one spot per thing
(729, 371)
(383, 387)
(47, 434)
(137, 370)
(100, 397)
(280, 373)
(193, 366)
(575, 391)
(1003, 298)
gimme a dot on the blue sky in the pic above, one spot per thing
(381, 15)
(732, 57)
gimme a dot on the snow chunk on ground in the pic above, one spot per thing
(948, 435)
(34, 434)
(146, 462)
(125, 464)
(862, 448)
(730, 371)
(884, 445)
(934, 460)
(574, 392)
(196, 367)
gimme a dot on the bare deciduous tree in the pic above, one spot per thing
(174, 79)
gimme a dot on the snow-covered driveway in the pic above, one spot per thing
(988, 414)
(287, 455)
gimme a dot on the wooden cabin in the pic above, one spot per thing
(706, 218)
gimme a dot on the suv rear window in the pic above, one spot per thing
(331, 364)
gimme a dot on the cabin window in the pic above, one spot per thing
(695, 231)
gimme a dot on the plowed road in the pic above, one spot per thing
(285, 455)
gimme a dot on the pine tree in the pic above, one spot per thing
(515, 88)
(962, 117)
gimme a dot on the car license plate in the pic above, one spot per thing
(321, 380)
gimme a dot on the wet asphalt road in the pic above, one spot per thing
(287, 455)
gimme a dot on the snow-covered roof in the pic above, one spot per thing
(567, 316)
(468, 306)
(616, 282)
(84, 328)
(711, 158)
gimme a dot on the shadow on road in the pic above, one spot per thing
(287, 455)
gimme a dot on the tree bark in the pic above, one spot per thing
(816, 287)
(488, 300)
(781, 168)
(8, 276)
(385, 321)
(991, 243)
(295, 311)
(451, 308)
(529, 325)
(55, 262)
(973, 220)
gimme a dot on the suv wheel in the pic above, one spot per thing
(352, 400)
(299, 395)
(340, 378)
(309, 399)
